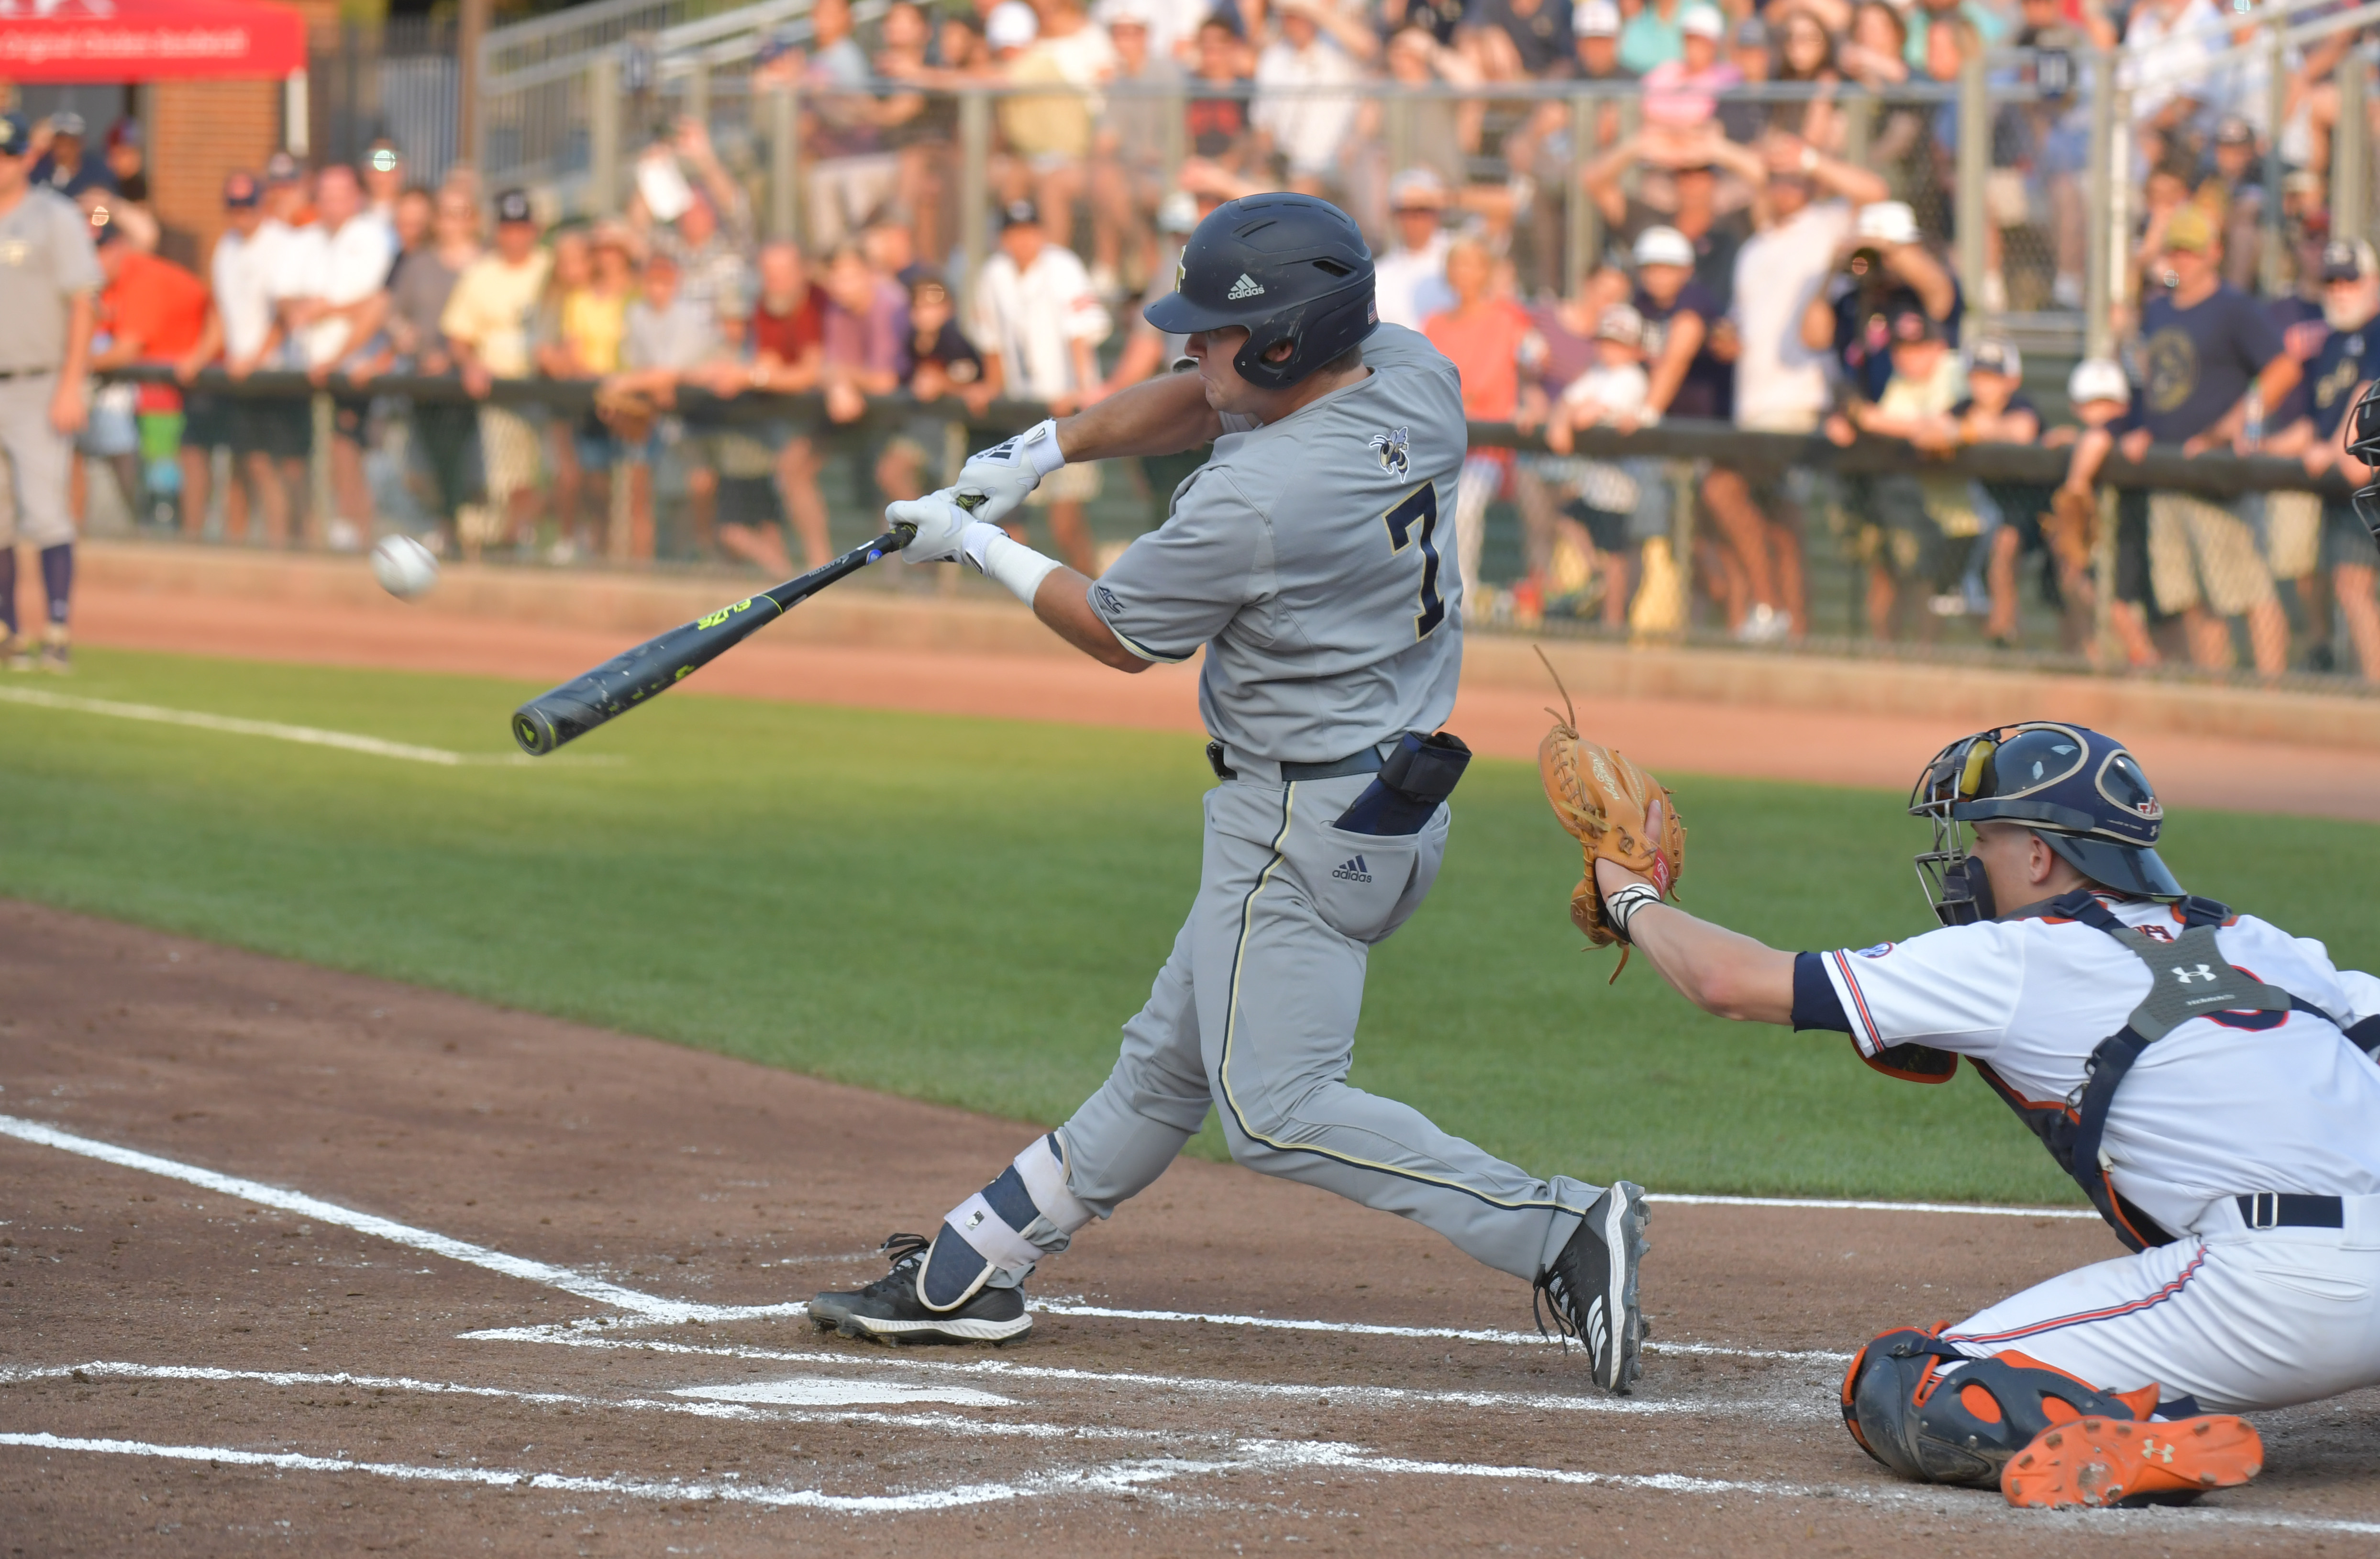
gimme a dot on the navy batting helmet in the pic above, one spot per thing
(1289, 267)
(2079, 790)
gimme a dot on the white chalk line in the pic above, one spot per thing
(1738, 1404)
(1681, 1198)
(1258, 1456)
(652, 1309)
(310, 736)
(744, 1402)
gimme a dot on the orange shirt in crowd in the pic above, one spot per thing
(163, 307)
(1484, 348)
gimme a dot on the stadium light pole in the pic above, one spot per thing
(2351, 152)
(471, 32)
(2098, 328)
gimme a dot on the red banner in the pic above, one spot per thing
(147, 40)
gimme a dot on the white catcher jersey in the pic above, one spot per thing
(1306, 555)
(2207, 1111)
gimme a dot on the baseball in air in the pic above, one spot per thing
(403, 568)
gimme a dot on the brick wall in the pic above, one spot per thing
(202, 131)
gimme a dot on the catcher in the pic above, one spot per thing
(2219, 1119)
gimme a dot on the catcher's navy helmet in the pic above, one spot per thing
(2363, 443)
(1291, 268)
(2079, 790)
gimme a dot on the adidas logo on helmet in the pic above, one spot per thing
(1246, 287)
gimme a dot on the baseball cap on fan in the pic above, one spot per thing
(1704, 22)
(1416, 189)
(1018, 213)
(282, 168)
(2096, 379)
(65, 121)
(1996, 354)
(241, 192)
(15, 135)
(513, 205)
(1012, 24)
(1595, 18)
(2349, 260)
(1663, 245)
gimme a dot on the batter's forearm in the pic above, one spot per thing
(1160, 416)
(1063, 603)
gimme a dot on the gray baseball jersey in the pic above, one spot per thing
(1305, 555)
(45, 259)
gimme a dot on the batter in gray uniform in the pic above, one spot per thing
(1304, 556)
(48, 276)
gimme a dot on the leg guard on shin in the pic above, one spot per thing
(1932, 1414)
(996, 1235)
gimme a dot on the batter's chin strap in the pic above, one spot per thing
(2189, 978)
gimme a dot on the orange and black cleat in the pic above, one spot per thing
(2106, 1461)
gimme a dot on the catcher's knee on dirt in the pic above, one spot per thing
(1931, 1414)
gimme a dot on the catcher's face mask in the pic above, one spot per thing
(2082, 794)
(2363, 443)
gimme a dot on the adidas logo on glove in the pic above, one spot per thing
(1246, 287)
(1352, 871)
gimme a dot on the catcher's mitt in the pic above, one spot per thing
(2071, 529)
(1615, 811)
(627, 412)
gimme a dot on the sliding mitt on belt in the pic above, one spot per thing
(1615, 811)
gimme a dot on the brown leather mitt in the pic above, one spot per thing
(1615, 811)
(2071, 529)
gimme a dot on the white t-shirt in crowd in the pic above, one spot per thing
(1033, 318)
(2164, 55)
(1173, 24)
(1410, 284)
(2207, 1111)
(1779, 384)
(1308, 127)
(347, 266)
(242, 275)
(1613, 387)
(268, 250)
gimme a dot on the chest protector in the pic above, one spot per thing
(2188, 978)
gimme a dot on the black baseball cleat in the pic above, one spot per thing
(1590, 1288)
(890, 1309)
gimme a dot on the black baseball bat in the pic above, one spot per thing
(619, 685)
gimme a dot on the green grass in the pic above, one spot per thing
(965, 911)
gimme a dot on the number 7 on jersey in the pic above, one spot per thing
(1418, 510)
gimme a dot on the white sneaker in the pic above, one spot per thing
(1764, 624)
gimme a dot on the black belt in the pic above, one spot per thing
(2287, 1210)
(1363, 760)
(8, 374)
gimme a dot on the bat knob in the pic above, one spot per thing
(534, 730)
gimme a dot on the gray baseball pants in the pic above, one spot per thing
(1255, 1013)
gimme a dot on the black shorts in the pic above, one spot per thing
(2133, 549)
(1608, 530)
(209, 422)
(2021, 506)
(283, 429)
(747, 500)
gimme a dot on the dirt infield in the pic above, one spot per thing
(540, 1306)
(1499, 716)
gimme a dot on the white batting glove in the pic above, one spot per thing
(942, 527)
(995, 480)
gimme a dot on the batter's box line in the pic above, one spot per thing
(307, 736)
(1768, 1407)
(652, 1309)
(1260, 1458)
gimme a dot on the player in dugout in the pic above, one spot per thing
(2219, 1119)
(1303, 558)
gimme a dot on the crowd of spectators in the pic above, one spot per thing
(1775, 260)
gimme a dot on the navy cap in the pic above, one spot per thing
(1996, 354)
(65, 121)
(513, 205)
(282, 168)
(241, 192)
(15, 135)
(1018, 213)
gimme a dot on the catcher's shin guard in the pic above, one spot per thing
(1932, 1414)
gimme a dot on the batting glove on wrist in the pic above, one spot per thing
(942, 527)
(995, 480)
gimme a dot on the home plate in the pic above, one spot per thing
(820, 1392)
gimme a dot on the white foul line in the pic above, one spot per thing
(1684, 1199)
(310, 736)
